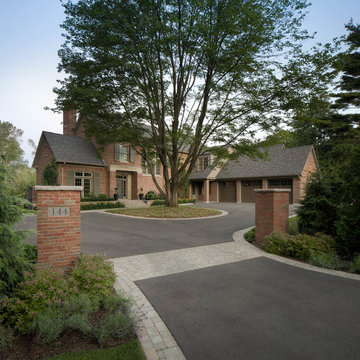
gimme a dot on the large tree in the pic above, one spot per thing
(175, 75)
(10, 150)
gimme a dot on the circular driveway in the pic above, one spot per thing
(118, 236)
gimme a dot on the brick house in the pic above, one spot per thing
(119, 168)
(237, 180)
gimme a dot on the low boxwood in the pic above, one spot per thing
(93, 197)
(180, 201)
(250, 236)
(300, 246)
(101, 205)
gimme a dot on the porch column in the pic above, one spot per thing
(238, 191)
(190, 190)
(264, 184)
(112, 183)
(206, 191)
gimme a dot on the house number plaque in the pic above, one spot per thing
(59, 211)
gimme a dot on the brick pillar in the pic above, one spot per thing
(190, 190)
(58, 225)
(206, 191)
(271, 212)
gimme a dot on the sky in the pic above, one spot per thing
(30, 37)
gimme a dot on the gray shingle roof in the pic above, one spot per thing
(200, 175)
(73, 149)
(280, 162)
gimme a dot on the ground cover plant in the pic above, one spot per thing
(180, 201)
(50, 308)
(101, 205)
(168, 212)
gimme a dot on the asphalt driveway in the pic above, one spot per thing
(118, 236)
(259, 309)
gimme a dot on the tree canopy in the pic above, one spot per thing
(173, 76)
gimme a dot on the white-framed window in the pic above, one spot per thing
(202, 163)
(84, 179)
(146, 169)
(123, 153)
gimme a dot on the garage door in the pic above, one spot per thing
(227, 191)
(281, 184)
(247, 190)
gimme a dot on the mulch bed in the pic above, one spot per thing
(26, 347)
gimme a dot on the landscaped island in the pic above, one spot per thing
(162, 212)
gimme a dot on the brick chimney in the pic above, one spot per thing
(69, 121)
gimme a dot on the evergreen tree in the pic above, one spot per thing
(50, 174)
(12, 252)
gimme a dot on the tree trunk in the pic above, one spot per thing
(171, 196)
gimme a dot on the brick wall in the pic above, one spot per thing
(271, 212)
(58, 237)
(44, 157)
(103, 171)
(309, 168)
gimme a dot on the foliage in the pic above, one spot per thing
(21, 177)
(6, 338)
(40, 290)
(93, 197)
(115, 326)
(294, 225)
(94, 274)
(129, 351)
(300, 246)
(30, 253)
(326, 260)
(354, 266)
(48, 302)
(180, 201)
(48, 326)
(12, 252)
(250, 236)
(318, 211)
(101, 205)
(50, 174)
(172, 76)
(10, 151)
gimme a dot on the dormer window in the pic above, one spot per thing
(202, 163)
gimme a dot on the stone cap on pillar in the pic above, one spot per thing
(272, 190)
(58, 188)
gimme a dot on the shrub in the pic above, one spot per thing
(6, 338)
(40, 290)
(354, 266)
(186, 201)
(294, 225)
(250, 236)
(79, 304)
(318, 211)
(30, 253)
(48, 326)
(325, 260)
(158, 203)
(94, 274)
(115, 326)
(93, 197)
(12, 252)
(50, 174)
(300, 246)
(79, 322)
(114, 303)
(105, 205)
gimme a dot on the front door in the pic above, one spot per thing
(121, 185)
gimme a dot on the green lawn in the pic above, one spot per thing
(163, 212)
(129, 351)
